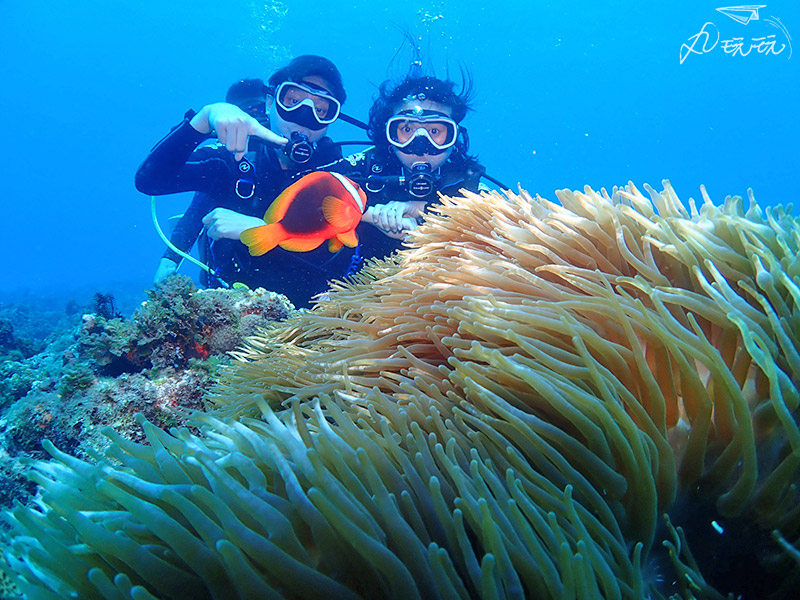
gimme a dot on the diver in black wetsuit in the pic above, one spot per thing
(236, 185)
(250, 95)
(420, 150)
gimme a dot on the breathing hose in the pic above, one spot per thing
(175, 249)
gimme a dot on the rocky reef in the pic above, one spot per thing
(96, 368)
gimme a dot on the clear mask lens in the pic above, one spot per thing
(440, 132)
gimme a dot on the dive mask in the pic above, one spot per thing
(421, 132)
(302, 104)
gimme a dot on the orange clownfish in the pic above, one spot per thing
(320, 206)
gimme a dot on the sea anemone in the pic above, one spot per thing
(510, 408)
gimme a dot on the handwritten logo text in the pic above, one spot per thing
(765, 41)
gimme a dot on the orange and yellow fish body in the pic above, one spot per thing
(321, 206)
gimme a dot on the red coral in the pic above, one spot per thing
(45, 416)
(201, 349)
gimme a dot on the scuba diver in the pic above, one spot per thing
(420, 150)
(247, 168)
(250, 95)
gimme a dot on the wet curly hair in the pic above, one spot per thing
(391, 95)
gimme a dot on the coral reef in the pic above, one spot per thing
(102, 369)
(32, 332)
(13, 347)
(176, 324)
(534, 400)
(29, 325)
(105, 307)
(15, 381)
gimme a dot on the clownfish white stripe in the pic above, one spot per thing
(349, 187)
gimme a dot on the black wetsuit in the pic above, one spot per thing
(377, 176)
(176, 164)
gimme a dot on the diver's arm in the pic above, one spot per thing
(234, 127)
(464, 177)
(176, 165)
(327, 155)
(354, 166)
(224, 223)
(394, 219)
(395, 215)
(171, 167)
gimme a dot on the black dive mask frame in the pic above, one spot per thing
(302, 115)
(421, 146)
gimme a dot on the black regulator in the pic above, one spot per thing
(419, 184)
(299, 148)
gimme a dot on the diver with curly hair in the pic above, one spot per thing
(420, 150)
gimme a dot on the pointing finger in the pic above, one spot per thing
(232, 135)
(241, 143)
(267, 135)
(222, 134)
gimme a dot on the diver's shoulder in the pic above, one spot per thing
(212, 149)
(355, 163)
(327, 151)
(358, 158)
(211, 144)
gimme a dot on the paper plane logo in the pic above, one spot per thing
(742, 14)
(768, 36)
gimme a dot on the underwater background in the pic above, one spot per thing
(569, 93)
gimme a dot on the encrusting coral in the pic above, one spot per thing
(507, 410)
(103, 369)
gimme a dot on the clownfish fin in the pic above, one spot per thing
(301, 244)
(334, 244)
(260, 240)
(341, 214)
(277, 210)
(348, 238)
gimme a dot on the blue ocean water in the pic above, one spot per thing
(570, 93)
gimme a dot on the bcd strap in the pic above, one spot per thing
(245, 186)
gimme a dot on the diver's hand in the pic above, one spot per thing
(395, 218)
(407, 224)
(225, 223)
(234, 127)
(166, 268)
